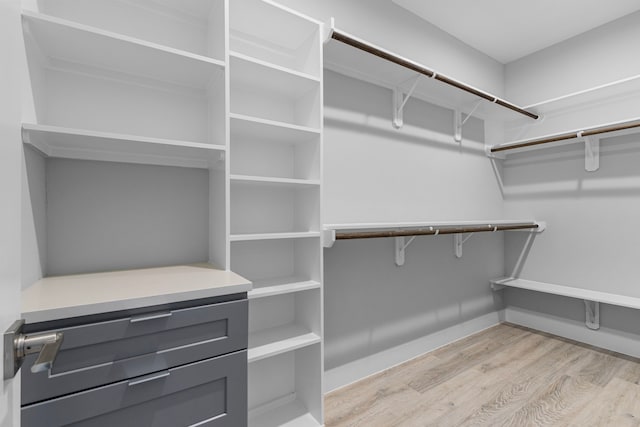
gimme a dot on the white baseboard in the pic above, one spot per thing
(609, 339)
(361, 368)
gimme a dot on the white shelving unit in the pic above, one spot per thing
(189, 129)
(275, 198)
(127, 113)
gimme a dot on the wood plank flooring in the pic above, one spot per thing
(504, 376)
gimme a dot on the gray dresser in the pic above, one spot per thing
(179, 364)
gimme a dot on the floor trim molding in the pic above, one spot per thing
(609, 339)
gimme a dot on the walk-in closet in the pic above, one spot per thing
(263, 213)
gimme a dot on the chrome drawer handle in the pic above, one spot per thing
(145, 317)
(149, 378)
(18, 345)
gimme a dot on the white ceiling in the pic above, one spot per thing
(507, 30)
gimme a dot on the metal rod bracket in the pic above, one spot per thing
(399, 102)
(591, 153)
(458, 241)
(592, 314)
(327, 29)
(459, 122)
(328, 238)
(401, 246)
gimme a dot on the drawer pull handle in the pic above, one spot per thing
(144, 318)
(149, 378)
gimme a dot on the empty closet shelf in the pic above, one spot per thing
(568, 291)
(280, 286)
(72, 43)
(56, 141)
(278, 340)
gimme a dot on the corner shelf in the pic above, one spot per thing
(56, 141)
(284, 285)
(74, 43)
(278, 340)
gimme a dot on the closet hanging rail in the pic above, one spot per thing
(358, 44)
(566, 136)
(433, 231)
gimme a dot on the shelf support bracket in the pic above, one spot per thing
(591, 153)
(592, 310)
(459, 122)
(401, 245)
(458, 241)
(400, 100)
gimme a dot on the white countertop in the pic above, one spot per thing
(62, 297)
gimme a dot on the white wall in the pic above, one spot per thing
(591, 237)
(600, 56)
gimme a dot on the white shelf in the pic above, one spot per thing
(291, 413)
(244, 66)
(573, 140)
(62, 297)
(278, 340)
(352, 62)
(280, 286)
(615, 89)
(279, 182)
(55, 141)
(273, 236)
(272, 130)
(419, 224)
(569, 291)
(74, 43)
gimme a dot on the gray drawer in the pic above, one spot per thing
(208, 393)
(104, 352)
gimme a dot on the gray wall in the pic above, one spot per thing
(147, 216)
(591, 238)
(374, 173)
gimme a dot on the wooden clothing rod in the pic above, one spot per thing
(432, 231)
(566, 136)
(344, 38)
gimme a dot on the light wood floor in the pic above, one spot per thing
(504, 376)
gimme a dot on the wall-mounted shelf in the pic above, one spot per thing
(590, 136)
(591, 298)
(56, 141)
(568, 291)
(622, 87)
(402, 231)
(62, 40)
(357, 58)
